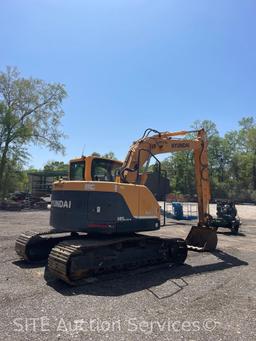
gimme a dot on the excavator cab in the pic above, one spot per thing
(91, 168)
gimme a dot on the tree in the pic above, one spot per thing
(246, 145)
(209, 127)
(56, 166)
(109, 155)
(96, 154)
(180, 165)
(232, 162)
(16, 178)
(30, 112)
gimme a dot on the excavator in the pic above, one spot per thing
(99, 214)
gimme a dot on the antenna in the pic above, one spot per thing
(83, 150)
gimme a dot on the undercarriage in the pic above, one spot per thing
(74, 257)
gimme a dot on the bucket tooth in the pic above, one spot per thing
(202, 238)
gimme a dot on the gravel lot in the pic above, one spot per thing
(211, 297)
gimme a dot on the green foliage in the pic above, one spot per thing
(232, 163)
(16, 178)
(56, 166)
(30, 112)
(109, 155)
(95, 154)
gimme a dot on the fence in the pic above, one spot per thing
(179, 210)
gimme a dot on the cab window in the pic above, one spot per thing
(77, 170)
(104, 170)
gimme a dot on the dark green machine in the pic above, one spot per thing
(226, 216)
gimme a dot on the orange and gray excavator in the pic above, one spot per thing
(99, 215)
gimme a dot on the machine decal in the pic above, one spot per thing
(180, 145)
(123, 219)
(89, 187)
(61, 203)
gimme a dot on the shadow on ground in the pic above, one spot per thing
(145, 278)
(229, 233)
(29, 265)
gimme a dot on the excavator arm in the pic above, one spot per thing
(167, 142)
(201, 237)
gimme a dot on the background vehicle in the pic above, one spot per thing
(226, 216)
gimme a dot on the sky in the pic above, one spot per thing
(133, 64)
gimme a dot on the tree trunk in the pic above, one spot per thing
(2, 169)
(254, 171)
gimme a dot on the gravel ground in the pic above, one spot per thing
(211, 297)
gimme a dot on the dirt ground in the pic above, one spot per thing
(211, 297)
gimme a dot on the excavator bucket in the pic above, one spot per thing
(201, 238)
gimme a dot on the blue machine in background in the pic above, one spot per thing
(177, 210)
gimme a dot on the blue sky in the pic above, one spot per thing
(133, 64)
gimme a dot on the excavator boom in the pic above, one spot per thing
(142, 150)
(201, 237)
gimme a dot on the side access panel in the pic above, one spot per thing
(106, 207)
